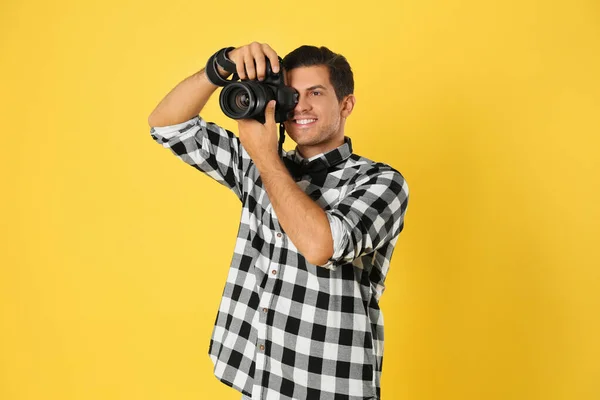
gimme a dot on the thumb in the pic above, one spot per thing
(270, 112)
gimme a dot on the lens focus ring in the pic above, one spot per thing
(237, 100)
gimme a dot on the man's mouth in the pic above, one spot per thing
(305, 121)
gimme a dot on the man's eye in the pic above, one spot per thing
(316, 93)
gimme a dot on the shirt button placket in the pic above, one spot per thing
(265, 305)
(279, 242)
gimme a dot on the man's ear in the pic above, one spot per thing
(348, 105)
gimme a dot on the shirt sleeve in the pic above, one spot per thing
(207, 147)
(368, 217)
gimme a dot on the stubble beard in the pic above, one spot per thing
(325, 133)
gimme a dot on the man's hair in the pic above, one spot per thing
(340, 73)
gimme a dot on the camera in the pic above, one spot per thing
(249, 98)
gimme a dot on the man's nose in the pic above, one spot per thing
(302, 105)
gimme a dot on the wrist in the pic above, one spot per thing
(268, 162)
(224, 74)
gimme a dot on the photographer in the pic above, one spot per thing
(299, 317)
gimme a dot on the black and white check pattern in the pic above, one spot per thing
(285, 328)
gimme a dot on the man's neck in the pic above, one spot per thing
(307, 152)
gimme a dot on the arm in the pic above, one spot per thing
(209, 148)
(303, 220)
(190, 96)
(184, 101)
(370, 215)
(176, 125)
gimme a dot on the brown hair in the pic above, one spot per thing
(340, 73)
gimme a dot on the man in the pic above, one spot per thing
(299, 317)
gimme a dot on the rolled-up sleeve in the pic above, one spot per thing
(369, 216)
(207, 147)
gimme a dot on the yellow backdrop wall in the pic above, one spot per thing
(114, 253)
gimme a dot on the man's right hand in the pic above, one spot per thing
(250, 60)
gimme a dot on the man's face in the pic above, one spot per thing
(316, 124)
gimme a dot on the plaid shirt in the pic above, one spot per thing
(285, 328)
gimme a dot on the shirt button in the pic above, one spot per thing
(278, 234)
(262, 347)
(265, 310)
(274, 271)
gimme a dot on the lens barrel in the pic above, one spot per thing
(242, 100)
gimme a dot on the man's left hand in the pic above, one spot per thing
(260, 140)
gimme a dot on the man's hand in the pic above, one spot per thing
(250, 60)
(260, 140)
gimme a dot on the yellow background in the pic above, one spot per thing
(115, 253)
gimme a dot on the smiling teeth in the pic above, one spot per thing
(305, 121)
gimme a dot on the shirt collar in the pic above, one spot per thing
(329, 158)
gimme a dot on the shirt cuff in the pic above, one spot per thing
(339, 241)
(169, 131)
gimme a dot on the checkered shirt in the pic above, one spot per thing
(285, 328)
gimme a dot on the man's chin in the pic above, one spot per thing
(301, 135)
(299, 139)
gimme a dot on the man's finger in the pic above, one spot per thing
(272, 57)
(270, 112)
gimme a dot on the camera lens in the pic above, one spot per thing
(245, 99)
(242, 100)
(237, 100)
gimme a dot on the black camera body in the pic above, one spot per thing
(249, 98)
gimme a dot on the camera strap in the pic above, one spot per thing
(224, 62)
(281, 137)
(220, 59)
